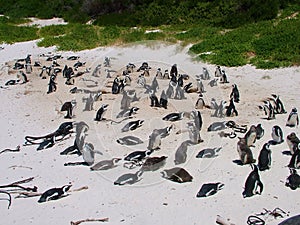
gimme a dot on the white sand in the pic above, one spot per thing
(27, 110)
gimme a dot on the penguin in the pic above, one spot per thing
(224, 78)
(106, 62)
(174, 70)
(115, 86)
(132, 125)
(293, 119)
(235, 93)
(180, 80)
(277, 135)
(194, 134)
(196, 115)
(154, 140)
(137, 156)
(166, 74)
(163, 101)
(291, 221)
(245, 152)
(171, 89)
(293, 142)
(154, 85)
(129, 140)
(47, 143)
(154, 99)
(89, 103)
(129, 178)
(174, 117)
(188, 88)
(22, 77)
(209, 189)
(279, 107)
(200, 86)
(105, 164)
(217, 126)
(218, 72)
(206, 75)
(181, 153)
(252, 183)
(52, 85)
(213, 82)
(73, 57)
(250, 136)
(78, 64)
(54, 193)
(200, 104)
(128, 112)
(231, 110)
(264, 158)
(295, 160)
(69, 107)
(179, 93)
(209, 152)
(177, 174)
(164, 132)
(293, 180)
(154, 163)
(259, 131)
(100, 113)
(141, 80)
(268, 109)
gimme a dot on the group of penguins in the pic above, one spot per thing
(179, 86)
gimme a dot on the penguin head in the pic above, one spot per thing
(115, 160)
(267, 146)
(149, 152)
(220, 186)
(294, 110)
(140, 122)
(66, 188)
(104, 106)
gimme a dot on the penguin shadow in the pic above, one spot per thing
(238, 162)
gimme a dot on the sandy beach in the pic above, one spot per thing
(27, 109)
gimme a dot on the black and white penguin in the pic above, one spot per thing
(22, 77)
(166, 74)
(206, 75)
(47, 143)
(213, 82)
(194, 134)
(180, 80)
(196, 115)
(154, 140)
(129, 178)
(217, 126)
(279, 107)
(230, 109)
(164, 132)
(132, 125)
(277, 135)
(293, 119)
(128, 112)
(293, 180)
(250, 136)
(129, 140)
(73, 57)
(200, 104)
(259, 131)
(245, 152)
(235, 94)
(154, 163)
(153, 99)
(163, 101)
(159, 73)
(224, 78)
(105, 164)
(54, 193)
(177, 174)
(174, 70)
(137, 156)
(174, 116)
(181, 153)
(252, 183)
(68, 107)
(171, 90)
(209, 189)
(209, 152)
(115, 86)
(268, 109)
(293, 142)
(295, 160)
(100, 113)
(52, 85)
(89, 103)
(218, 72)
(264, 158)
(78, 64)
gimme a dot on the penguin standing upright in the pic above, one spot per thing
(264, 158)
(279, 107)
(101, 112)
(181, 153)
(163, 101)
(250, 136)
(269, 110)
(259, 131)
(52, 85)
(231, 110)
(245, 152)
(293, 119)
(154, 99)
(277, 135)
(295, 160)
(252, 183)
(293, 181)
(235, 94)
(68, 106)
(154, 140)
(218, 72)
(293, 142)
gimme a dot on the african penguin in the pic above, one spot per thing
(209, 189)
(292, 141)
(154, 163)
(154, 140)
(250, 136)
(174, 116)
(277, 135)
(293, 181)
(129, 140)
(54, 193)
(295, 160)
(132, 125)
(129, 178)
(69, 107)
(259, 131)
(252, 183)
(105, 164)
(264, 158)
(100, 113)
(293, 119)
(235, 93)
(137, 156)
(177, 174)
(245, 152)
(208, 152)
